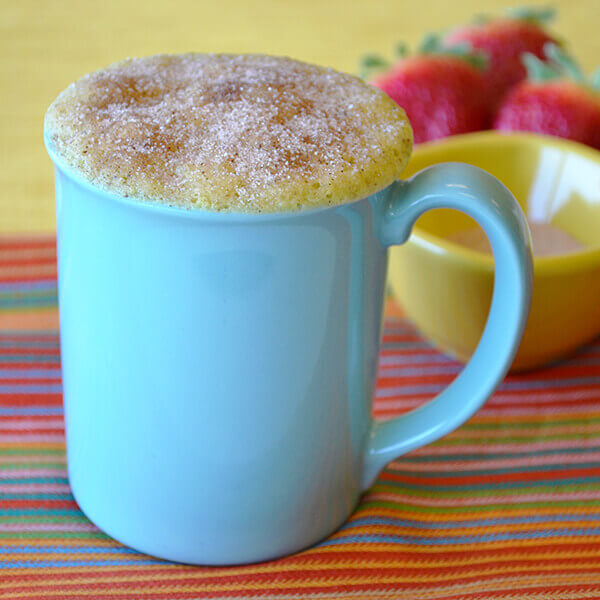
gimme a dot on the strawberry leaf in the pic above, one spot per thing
(539, 71)
(401, 50)
(563, 62)
(539, 15)
(432, 44)
(371, 64)
(595, 80)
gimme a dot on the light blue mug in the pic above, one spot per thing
(219, 369)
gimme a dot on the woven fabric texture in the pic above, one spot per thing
(506, 507)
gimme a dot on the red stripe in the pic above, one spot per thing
(6, 243)
(529, 476)
(41, 400)
(29, 365)
(45, 504)
(27, 261)
(30, 351)
(16, 418)
(426, 395)
(30, 430)
(29, 380)
(26, 278)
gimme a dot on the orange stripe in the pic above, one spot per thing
(27, 272)
(46, 318)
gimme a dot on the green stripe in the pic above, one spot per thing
(49, 535)
(47, 293)
(46, 519)
(592, 435)
(538, 424)
(499, 471)
(11, 451)
(470, 492)
(557, 452)
(31, 465)
(442, 510)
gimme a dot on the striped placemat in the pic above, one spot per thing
(506, 507)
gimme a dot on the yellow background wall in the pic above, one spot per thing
(46, 44)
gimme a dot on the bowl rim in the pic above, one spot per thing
(572, 261)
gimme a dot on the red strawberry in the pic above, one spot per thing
(555, 100)
(504, 41)
(442, 92)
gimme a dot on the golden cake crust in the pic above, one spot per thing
(238, 133)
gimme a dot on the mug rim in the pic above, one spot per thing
(162, 209)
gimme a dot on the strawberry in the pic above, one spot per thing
(504, 41)
(442, 91)
(555, 100)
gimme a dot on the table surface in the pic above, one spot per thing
(507, 507)
(44, 46)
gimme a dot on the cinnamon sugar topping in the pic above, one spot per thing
(242, 133)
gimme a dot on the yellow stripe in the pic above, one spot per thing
(28, 445)
(479, 530)
(502, 432)
(535, 417)
(427, 517)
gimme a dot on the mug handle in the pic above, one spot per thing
(475, 192)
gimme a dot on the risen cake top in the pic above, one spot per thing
(239, 133)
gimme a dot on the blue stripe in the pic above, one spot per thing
(31, 388)
(406, 345)
(65, 496)
(43, 564)
(38, 284)
(66, 550)
(31, 410)
(495, 455)
(41, 300)
(426, 388)
(468, 524)
(460, 539)
(29, 373)
(28, 344)
(399, 359)
(41, 512)
(30, 332)
(33, 480)
(424, 370)
(488, 485)
(29, 358)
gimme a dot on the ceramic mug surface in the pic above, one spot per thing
(219, 369)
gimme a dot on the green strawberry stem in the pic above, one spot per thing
(558, 65)
(432, 44)
(538, 15)
(595, 80)
(539, 71)
(401, 50)
(564, 62)
(371, 64)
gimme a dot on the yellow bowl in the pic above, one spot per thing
(446, 288)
